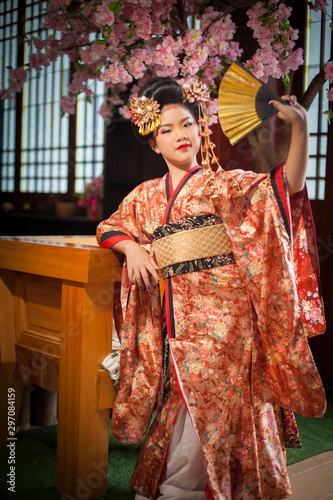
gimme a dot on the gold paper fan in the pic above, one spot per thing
(243, 103)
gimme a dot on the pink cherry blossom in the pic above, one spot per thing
(191, 66)
(75, 87)
(38, 61)
(68, 104)
(16, 79)
(233, 51)
(211, 68)
(283, 11)
(295, 60)
(116, 73)
(105, 111)
(38, 43)
(144, 55)
(144, 27)
(212, 111)
(6, 94)
(18, 74)
(136, 68)
(123, 111)
(56, 4)
(115, 100)
(320, 5)
(131, 11)
(191, 40)
(171, 71)
(329, 71)
(93, 54)
(87, 10)
(212, 107)
(330, 94)
(103, 16)
(144, 38)
(276, 39)
(166, 53)
(51, 55)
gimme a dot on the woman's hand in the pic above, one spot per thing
(297, 160)
(140, 266)
(293, 113)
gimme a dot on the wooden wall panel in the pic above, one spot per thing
(38, 329)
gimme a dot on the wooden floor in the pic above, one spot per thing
(312, 479)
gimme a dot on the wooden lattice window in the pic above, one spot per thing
(9, 36)
(42, 153)
(317, 52)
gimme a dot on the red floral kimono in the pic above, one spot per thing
(236, 348)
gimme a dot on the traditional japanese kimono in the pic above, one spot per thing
(236, 348)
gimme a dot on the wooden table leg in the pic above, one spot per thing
(83, 431)
(11, 387)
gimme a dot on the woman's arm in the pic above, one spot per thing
(297, 160)
(121, 231)
(140, 266)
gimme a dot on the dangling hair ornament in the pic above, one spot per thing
(193, 90)
(145, 114)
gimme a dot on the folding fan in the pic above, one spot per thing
(243, 103)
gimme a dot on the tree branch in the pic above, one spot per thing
(181, 21)
(182, 27)
(226, 8)
(313, 89)
(230, 5)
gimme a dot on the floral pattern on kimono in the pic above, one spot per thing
(237, 333)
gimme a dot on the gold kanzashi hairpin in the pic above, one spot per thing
(145, 114)
(198, 91)
(193, 90)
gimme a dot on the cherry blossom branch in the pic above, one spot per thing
(226, 10)
(141, 39)
(182, 21)
(316, 84)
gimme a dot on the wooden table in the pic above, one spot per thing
(56, 306)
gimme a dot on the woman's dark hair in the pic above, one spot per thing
(165, 91)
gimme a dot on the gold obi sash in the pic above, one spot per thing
(196, 240)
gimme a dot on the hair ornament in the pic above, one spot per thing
(145, 113)
(193, 90)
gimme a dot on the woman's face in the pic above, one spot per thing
(177, 138)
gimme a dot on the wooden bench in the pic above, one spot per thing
(56, 310)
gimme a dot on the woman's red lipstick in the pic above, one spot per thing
(183, 146)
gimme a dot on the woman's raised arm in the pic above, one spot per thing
(297, 159)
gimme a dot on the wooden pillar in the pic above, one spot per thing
(8, 381)
(87, 335)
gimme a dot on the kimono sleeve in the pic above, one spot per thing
(306, 265)
(275, 269)
(124, 224)
(138, 321)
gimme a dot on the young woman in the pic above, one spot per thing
(226, 349)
